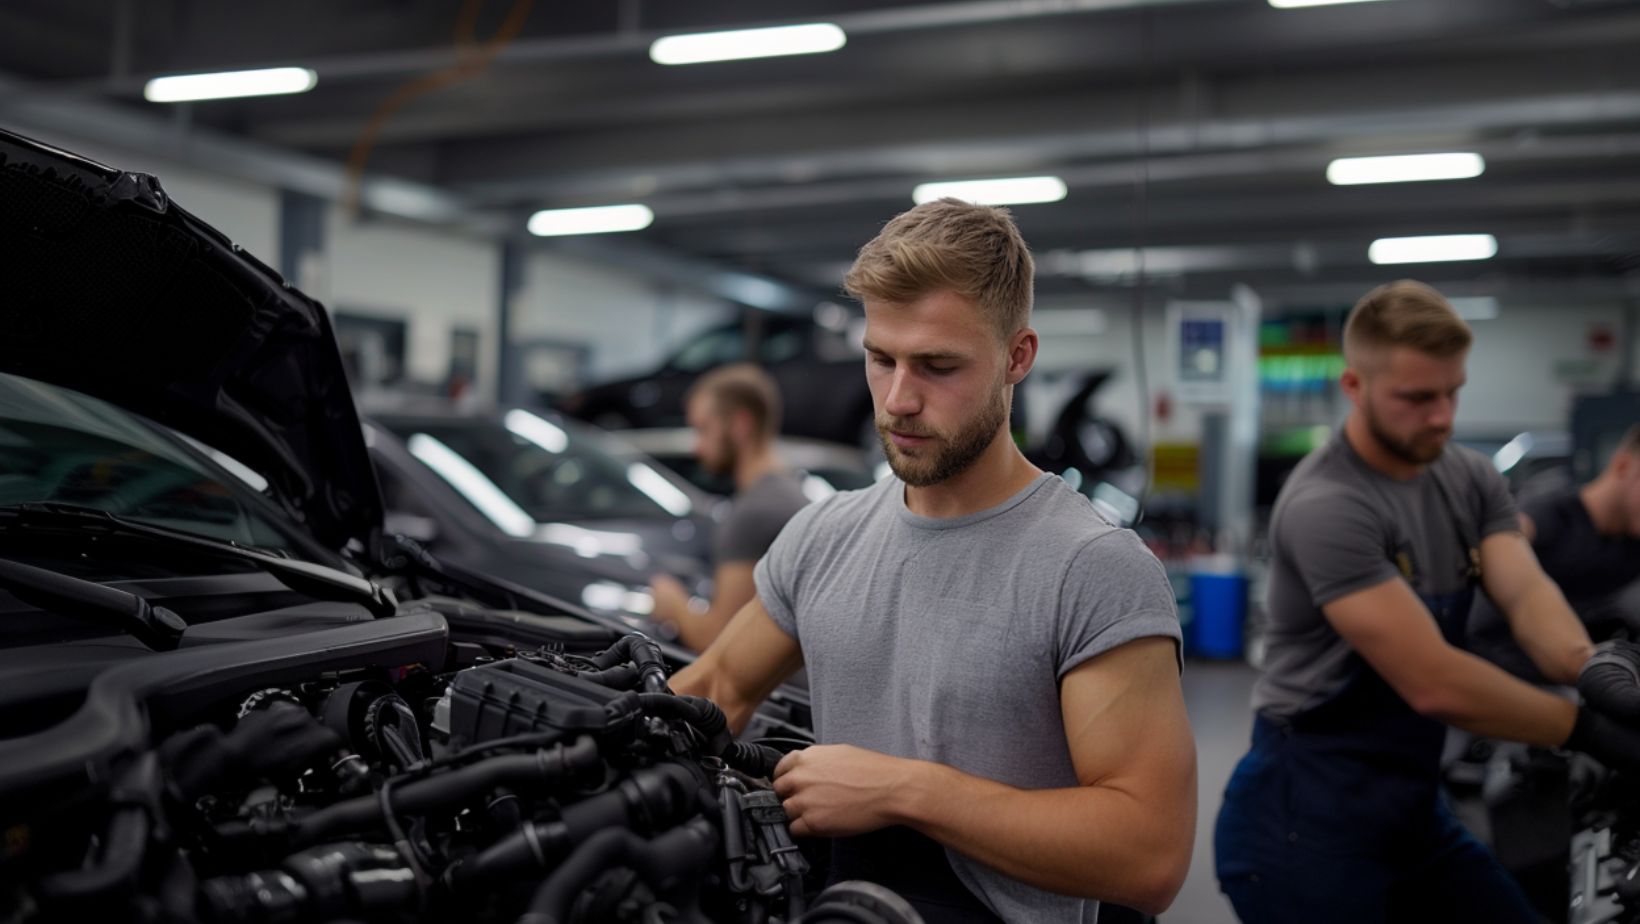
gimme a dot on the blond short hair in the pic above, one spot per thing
(1405, 313)
(742, 387)
(973, 250)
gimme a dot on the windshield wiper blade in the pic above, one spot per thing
(155, 626)
(303, 577)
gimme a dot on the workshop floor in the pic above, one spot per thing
(1217, 697)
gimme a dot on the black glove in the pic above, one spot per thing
(1612, 743)
(1610, 681)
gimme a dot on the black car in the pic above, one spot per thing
(548, 503)
(229, 694)
(819, 369)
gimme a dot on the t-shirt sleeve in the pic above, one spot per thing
(778, 574)
(1334, 543)
(1114, 592)
(1498, 510)
(751, 528)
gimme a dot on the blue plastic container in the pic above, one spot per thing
(1218, 613)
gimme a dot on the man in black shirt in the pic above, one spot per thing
(1588, 541)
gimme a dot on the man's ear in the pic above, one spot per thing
(1021, 355)
(1351, 382)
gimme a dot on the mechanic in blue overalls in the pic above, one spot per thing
(1379, 541)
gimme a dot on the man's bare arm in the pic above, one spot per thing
(1390, 627)
(1539, 617)
(1124, 835)
(742, 667)
(732, 586)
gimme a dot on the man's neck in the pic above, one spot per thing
(1598, 499)
(1374, 453)
(999, 473)
(752, 463)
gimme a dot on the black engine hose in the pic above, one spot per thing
(706, 718)
(544, 767)
(642, 651)
(124, 843)
(663, 863)
(648, 800)
(117, 864)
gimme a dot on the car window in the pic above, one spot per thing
(783, 346)
(57, 445)
(711, 349)
(547, 470)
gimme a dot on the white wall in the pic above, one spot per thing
(1514, 383)
(628, 323)
(432, 279)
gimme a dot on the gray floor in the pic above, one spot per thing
(1217, 697)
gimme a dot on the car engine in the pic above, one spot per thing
(547, 784)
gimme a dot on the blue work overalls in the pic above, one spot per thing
(1336, 814)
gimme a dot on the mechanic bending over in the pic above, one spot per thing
(994, 669)
(735, 413)
(1588, 541)
(1378, 541)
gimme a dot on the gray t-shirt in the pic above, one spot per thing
(756, 516)
(1341, 526)
(945, 639)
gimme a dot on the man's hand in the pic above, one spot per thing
(1610, 681)
(671, 599)
(837, 790)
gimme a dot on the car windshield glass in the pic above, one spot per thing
(525, 469)
(57, 445)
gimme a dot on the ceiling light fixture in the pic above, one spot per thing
(1437, 248)
(1405, 168)
(1021, 190)
(742, 44)
(1295, 4)
(597, 219)
(272, 81)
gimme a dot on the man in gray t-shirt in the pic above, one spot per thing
(735, 413)
(994, 668)
(1379, 541)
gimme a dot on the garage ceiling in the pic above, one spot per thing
(1200, 129)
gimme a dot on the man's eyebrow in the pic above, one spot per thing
(921, 355)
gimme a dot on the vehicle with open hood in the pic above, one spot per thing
(227, 692)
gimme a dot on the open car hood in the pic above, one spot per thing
(108, 288)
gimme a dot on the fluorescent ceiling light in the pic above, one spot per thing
(1020, 190)
(741, 44)
(598, 219)
(271, 81)
(1438, 248)
(1404, 168)
(1295, 4)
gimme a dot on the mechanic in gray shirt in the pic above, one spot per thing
(1378, 541)
(994, 668)
(735, 413)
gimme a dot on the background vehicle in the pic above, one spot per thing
(819, 371)
(545, 502)
(836, 466)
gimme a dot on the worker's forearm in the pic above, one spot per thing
(1481, 698)
(1550, 633)
(697, 631)
(703, 678)
(1091, 841)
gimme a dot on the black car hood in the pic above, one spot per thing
(108, 288)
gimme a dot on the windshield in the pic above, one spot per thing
(534, 470)
(60, 446)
